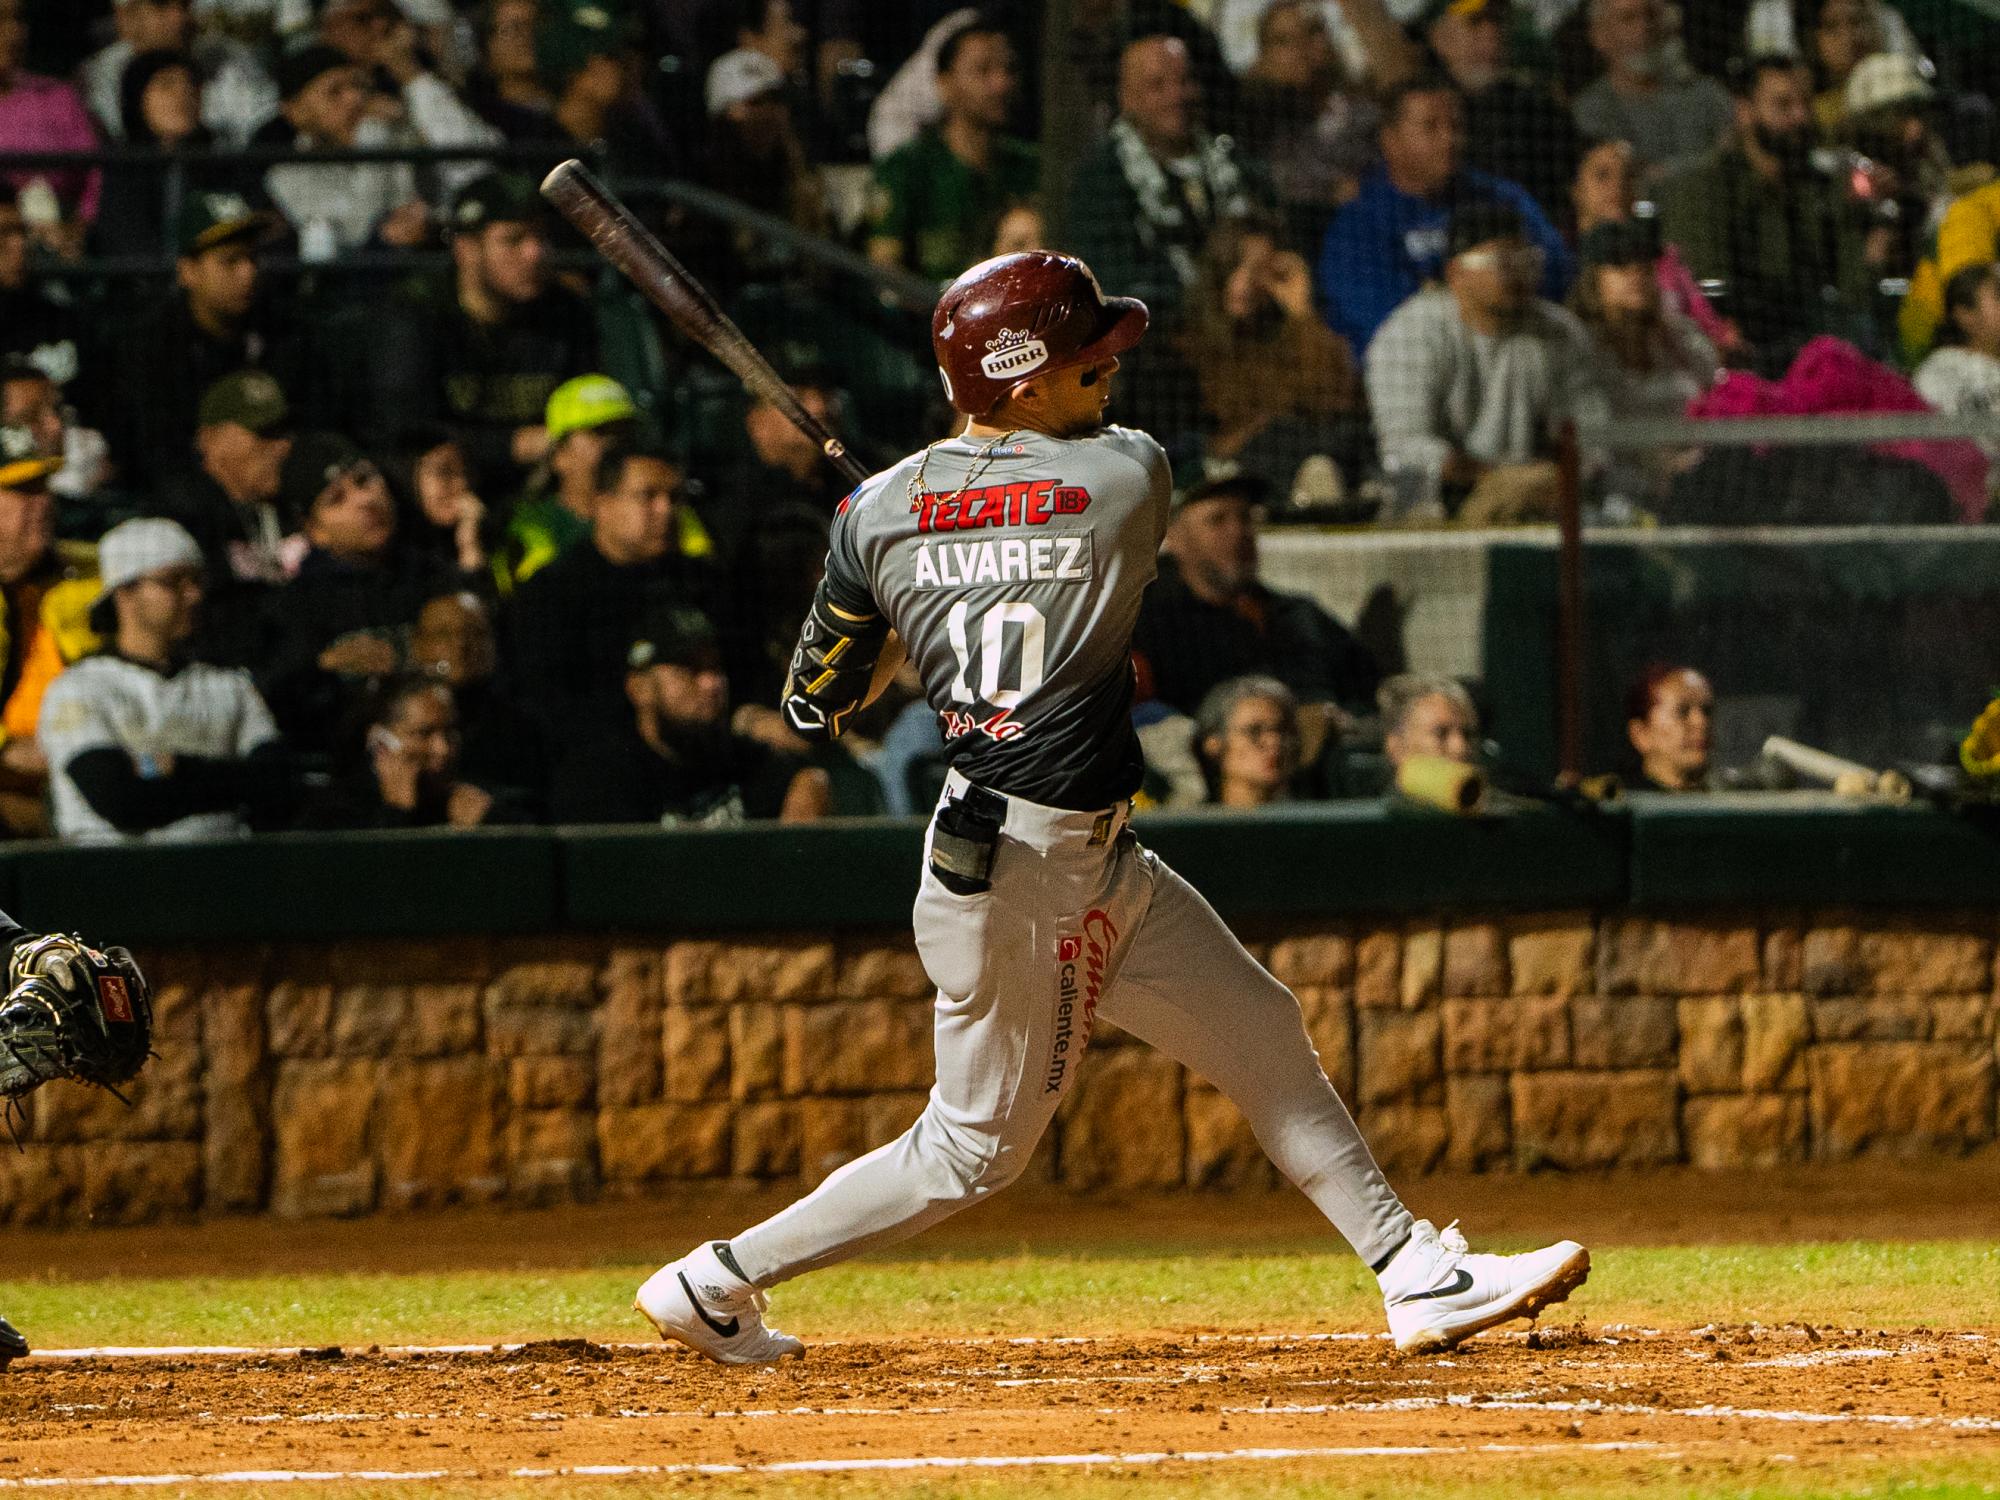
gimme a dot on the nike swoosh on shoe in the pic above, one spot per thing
(734, 1326)
(1461, 1281)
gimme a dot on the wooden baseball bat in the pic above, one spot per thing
(1448, 785)
(635, 250)
(1847, 778)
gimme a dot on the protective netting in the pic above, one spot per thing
(478, 538)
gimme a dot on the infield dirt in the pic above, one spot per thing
(1702, 1396)
(1312, 1402)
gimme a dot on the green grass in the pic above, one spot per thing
(1860, 1284)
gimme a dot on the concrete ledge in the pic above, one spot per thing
(1656, 853)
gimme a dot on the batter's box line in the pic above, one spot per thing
(402, 1351)
(1610, 1335)
(1529, 1402)
(822, 1465)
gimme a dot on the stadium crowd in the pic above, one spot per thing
(340, 488)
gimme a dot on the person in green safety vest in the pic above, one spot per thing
(585, 416)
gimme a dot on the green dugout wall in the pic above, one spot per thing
(1652, 854)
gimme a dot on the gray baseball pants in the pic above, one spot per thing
(1081, 922)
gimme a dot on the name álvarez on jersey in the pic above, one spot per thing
(1040, 559)
(1013, 570)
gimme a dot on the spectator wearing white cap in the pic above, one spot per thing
(756, 155)
(144, 744)
(1890, 109)
(738, 77)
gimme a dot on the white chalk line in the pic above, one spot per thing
(1192, 1374)
(1592, 1407)
(1609, 1335)
(623, 1413)
(1823, 1357)
(1525, 1401)
(408, 1351)
(1511, 1402)
(819, 1465)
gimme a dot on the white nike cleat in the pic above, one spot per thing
(1439, 1294)
(12, 1345)
(712, 1310)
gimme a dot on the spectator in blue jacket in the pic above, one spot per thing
(1384, 245)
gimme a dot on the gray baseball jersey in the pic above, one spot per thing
(1013, 572)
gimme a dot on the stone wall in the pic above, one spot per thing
(315, 1080)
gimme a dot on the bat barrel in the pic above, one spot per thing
(575, 192)
(1847, 778)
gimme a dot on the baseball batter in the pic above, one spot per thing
(1009, 561)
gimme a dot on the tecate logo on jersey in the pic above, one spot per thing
(1029, 502)
(1082, 957)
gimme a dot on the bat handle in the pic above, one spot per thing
(837, 455)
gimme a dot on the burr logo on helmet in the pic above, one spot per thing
(1012, 353)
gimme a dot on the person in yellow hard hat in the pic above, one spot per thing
(584, 417)
(46, 590)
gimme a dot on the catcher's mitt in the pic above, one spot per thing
(72, 1011)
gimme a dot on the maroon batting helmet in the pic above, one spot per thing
(1016, 316)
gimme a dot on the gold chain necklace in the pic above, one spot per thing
(981, 462)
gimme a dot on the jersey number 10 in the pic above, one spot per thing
(993, 626)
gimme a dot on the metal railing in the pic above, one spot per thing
(895, 288)
(1626, 433)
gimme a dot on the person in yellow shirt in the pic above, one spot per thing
(46, 591)
(1968, 236)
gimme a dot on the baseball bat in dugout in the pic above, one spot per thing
(1447, 785)
(1847, 778)
(635, 250)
